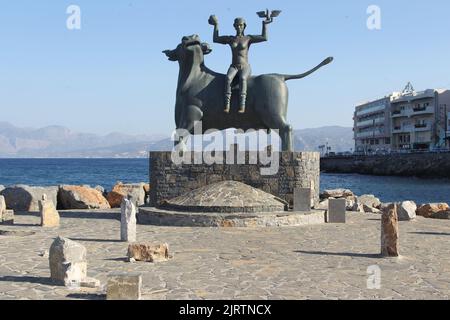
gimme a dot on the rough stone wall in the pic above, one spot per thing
(296, 169)
(433, 165)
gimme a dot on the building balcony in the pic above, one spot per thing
(370, 110)
(368, 123)
(370, 134)
(422, 127)
(399, 114)
(420, 111)
(399, 129)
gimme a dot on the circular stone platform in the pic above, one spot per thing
(226, 197)
(226, 204)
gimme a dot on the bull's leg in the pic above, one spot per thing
(191, 115)
(286, 138)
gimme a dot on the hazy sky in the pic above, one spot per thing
(112, 76)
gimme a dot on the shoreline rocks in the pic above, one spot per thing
(406, 211)
(26, 198)
(134, 191)
(432, 210)
(81, 197)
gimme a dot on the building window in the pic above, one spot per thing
(387, 140)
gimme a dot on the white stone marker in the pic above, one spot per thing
(302, 199)
(123, 286)
(336, 210)
(68, 265)
(6, 216)
(2, 207)
(127, 221)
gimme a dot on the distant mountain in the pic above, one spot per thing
(57, 141)
(61, 142)
(340, 139)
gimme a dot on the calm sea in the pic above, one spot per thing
(106, 172)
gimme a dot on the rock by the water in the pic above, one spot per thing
(100, 189)
(389, 232)
(323, 205)
(49, 214)
(357, 207)
(148, 252)
(369, 200)
(81, 197)
(349, 204)
(2, 187)
(128, 221)
(26, 198)
(430, 209)
(134, 191)
(406, 211)
(444, 215)
(68, 265)
(367, 209)
(336, 193)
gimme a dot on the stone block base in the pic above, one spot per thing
(295, 170)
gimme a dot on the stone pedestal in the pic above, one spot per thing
(295, 170)
(389, 231)
(127, 221)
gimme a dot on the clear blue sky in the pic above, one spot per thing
(111, 74)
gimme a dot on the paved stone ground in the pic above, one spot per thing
(310, 262)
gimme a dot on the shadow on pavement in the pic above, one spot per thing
(87, 296)
(39, 280)
(90, 215)
(95, 240)
(342, 254)
(431, 233)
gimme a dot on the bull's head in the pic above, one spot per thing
(189, 47)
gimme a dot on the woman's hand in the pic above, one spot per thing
(213, 20)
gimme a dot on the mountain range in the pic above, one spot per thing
(61, 142)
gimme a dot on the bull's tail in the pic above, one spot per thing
(302, 75)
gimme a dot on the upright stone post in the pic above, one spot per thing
(6, 216)
(302, 199)
(336, 210)
(49, 214)
(127, 221)
(389, 231)
(2, 207)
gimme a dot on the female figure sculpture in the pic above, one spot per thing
(240, 44)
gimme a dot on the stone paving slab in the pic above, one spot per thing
(327, 261)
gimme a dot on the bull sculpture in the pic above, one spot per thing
(199, 96)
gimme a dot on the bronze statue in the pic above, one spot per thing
(199, 96)
(240, 44)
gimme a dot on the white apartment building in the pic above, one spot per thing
(410, 120)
